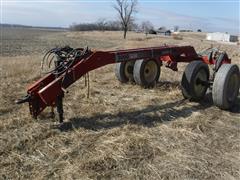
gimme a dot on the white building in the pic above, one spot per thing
(225, 37)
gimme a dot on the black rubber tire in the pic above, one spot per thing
(189, 83)
(124, 71)
(226, 86)
(141, 70)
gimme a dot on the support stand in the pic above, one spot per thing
(59, 104)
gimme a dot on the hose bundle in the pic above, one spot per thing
(61, 59)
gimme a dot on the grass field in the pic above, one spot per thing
(122, 131)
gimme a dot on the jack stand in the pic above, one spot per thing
(59, 104)
(63, 126)
(52, 114)
(59, 99)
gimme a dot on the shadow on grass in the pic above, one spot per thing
(167, 85)
(146, 117)
(236, 107)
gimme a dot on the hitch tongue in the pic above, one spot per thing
(23, 99)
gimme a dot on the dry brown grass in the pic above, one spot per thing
(122, 131)
(177, 37)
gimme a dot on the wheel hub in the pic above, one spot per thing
(150, 71)
(128, 70)
(199, 85)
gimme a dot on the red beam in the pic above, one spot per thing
(44, 92)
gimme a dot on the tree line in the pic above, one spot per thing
(100, 25)
(104, 25)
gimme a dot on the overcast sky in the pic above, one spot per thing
(208, 15)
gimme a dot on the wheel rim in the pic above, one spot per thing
(150, 71)
(128, 69)
(232, 87)
(199, 87)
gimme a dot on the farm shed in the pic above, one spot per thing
(217, 36)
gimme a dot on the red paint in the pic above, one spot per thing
(44, 91)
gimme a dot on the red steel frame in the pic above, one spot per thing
(45, 91)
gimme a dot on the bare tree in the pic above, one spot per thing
(101, 23)
(125, 10)
(146, 26)
(176, 28)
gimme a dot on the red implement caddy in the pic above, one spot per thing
(142, 65)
